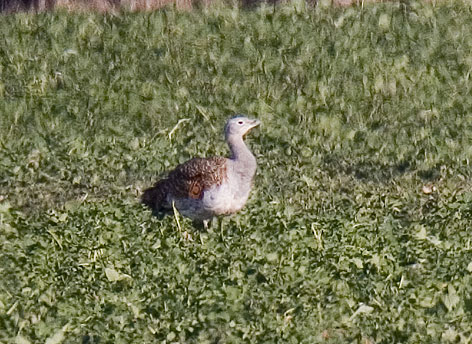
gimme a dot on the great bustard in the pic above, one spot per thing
(202, 188)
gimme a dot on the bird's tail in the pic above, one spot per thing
(155, 197)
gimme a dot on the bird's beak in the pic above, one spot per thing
(255, 123)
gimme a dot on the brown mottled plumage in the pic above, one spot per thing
(205, 187)
(189, 179)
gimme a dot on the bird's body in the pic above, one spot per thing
(202, 188)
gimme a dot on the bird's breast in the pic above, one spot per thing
(225, 199)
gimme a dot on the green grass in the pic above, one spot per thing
(361, 108)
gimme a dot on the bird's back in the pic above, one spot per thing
(186, 184)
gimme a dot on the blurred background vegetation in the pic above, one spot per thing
(139, 5)
(103, 5)
(359, 226)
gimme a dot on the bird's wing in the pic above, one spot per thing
(193, 177)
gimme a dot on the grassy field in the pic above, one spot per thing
(359, 226)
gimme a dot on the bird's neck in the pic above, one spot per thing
(241, 155)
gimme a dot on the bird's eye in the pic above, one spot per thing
(240, 122)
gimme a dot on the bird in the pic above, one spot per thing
(203, 188)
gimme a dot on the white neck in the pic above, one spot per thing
(239, 151)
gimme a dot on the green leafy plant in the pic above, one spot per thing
(358, 229)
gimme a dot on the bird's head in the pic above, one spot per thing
(240, 125)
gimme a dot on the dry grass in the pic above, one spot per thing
(146, 5)
(9, 6)
(131, 5)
